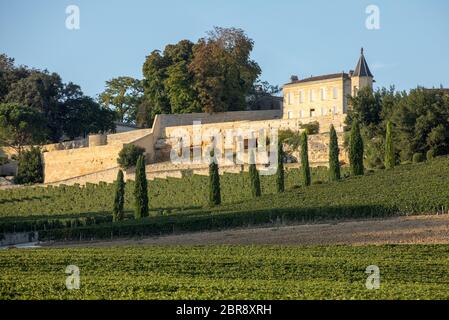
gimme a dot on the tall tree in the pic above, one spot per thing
(214, 182)
(254, 176)
(305, 168)
(21, 126)
(224, 73)
(119, 200)
(141, 190)
(389, 151)
(123, 95)
(280, 183)
(356, 150)
(30, 168)
(334, 161)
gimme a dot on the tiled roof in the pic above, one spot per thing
(323, 77)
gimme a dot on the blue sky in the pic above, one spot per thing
(291, 37)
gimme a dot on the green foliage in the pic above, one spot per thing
(418, 157)
(21, 125)
(214, 183)
(334, 161)
(305, 168)
(389, 149)
(61, 105)
(356, 151)
(30, 169)
(215, 74)
(430, 154)
(419, 118)
(129, 155)
(227, 272)
(141, 190)
(118, 213)
(280, 174)
(311, 127)
(123, 95)
(254, 176)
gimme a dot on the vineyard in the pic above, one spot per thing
(179, 205)
(227, 272)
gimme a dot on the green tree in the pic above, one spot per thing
(129, 155)
(21, 126)
(223, 71)
(280, 183)
(254, 176)
(30, 169)
(119, 200)
(64, 107)
(356, 151)
(334, 162)
(123, 95)
(389, 150)
(141, 190)
(214, 182)
(305, 168)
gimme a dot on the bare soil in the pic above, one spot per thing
(425, 229)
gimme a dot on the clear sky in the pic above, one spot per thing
(291, 37)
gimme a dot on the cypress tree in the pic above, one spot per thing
(254, 176)
(356, 151)
(305, 168)
(389, 151)
(119, 201)
(214, 182)
(334, 162)
(141, 190)
(280, 172)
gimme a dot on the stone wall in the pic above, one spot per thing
(66, 164)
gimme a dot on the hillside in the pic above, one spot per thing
(74, 212)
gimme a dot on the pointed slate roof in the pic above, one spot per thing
(362, 69)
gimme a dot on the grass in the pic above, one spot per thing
(227, 272)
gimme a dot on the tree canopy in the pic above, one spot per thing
(213, 75)
(63, 106)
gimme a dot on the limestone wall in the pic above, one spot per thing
(65, 164)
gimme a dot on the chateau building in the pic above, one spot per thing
(319, 96)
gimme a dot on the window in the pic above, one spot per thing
(289, 98)
(323, 93)
(300, 114)
(312, 112)
(311, 95)
(290, 114)
(335, 93)
(323, 112)
(335, 110)
(301, 96)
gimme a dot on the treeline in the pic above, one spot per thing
(419, 124)
(37, 107)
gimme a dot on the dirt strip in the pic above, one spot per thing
(429, 229)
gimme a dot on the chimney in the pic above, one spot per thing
(351, 72)
(294, 78)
